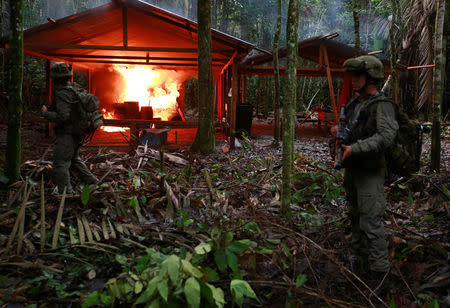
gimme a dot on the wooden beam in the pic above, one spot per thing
(234, 99)
(40, 55)
(301, 71)
(330, 82)
(74, 55)
(125, 26)
(120, 48)
(229, 62)
(138, 122)
(141, 63)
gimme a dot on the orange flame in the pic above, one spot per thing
(111, 129)
(150, 88)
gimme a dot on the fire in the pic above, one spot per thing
(111, 129)
(150, 88)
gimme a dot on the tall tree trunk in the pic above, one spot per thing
(276, 82)
(288, 105)
(15, 59)
(446, 101)
(356, 24)
(204, 140)
(439, 81)
(395, 37)
(266, 100)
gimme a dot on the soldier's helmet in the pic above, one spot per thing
(365, 65)
(60, 69)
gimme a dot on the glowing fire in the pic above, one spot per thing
(150, 88)
(111, 129)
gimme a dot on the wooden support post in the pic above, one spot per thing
(330, 81)
(234, 99)
(243, 88)
(219, 98)
(125, 26)
(346, 91)
(48, 92)
(88, 80)
(228, 98)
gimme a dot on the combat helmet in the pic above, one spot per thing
(365, 65)
(60, 69)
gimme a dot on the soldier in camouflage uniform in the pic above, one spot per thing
(65, 113)
(373, 128)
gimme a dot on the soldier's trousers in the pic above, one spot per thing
(365, 195)
(65, 158)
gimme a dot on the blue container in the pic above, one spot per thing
(154, 136)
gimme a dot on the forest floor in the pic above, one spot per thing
(190, 227)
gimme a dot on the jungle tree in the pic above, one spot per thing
(276, 82)
(289, 100)
(14, 97)
(204, 140)
(356, 6)
(439, 82)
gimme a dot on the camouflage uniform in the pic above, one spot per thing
(373, 129)
(64, 112)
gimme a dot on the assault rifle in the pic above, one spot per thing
(343, 137)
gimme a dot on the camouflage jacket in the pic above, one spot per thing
(64, 111)
(373, 128)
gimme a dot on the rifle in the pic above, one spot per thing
(343, 137)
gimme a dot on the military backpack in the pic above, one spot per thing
(90, 117)
(403, 157)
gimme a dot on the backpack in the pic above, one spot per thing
(90, 117)
(403, 157)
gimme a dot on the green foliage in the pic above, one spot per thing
(311, 183)
(239, 289)
(158, 280)
(85, 194)
(184, 220)
(3, 178)
(224, 250)
(48, 283)
(301, 279)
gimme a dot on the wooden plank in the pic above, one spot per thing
(142, 63)
(234, 98)
(118, 48)
(74, 55)
(172, 124)
(330, 82)
(125, 26)
(301, 71)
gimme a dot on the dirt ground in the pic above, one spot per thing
(231, 190)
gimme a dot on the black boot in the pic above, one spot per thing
(360, 266)
(379, 283)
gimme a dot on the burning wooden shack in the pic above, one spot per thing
(135, 57)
